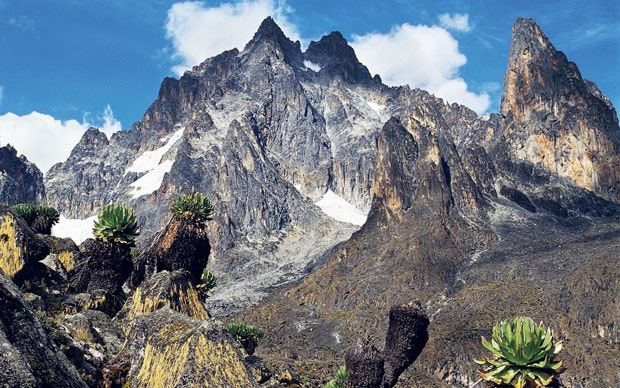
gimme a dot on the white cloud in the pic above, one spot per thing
(198, 31)
(457, 22)
(425, 57)
(45, 140)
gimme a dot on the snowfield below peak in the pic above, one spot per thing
(312, 66)
(150, 162)
(339, 209)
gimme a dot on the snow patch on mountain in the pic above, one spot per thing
(149, 160)
(339, 209)
(151, 181)
(75, 229)
(312, 66)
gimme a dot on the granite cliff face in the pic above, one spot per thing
(20, 180)
(479, 218)
(557, 119)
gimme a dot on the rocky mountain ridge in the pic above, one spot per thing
(20, 180)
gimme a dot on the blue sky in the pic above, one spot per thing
(72, 59)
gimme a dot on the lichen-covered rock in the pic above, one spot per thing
(406, 337)
(365, 366)
(100, 300)
(106, 266)
(64, 254)
(20, 247)
(173, 290)
(29, 358)
(168, 349)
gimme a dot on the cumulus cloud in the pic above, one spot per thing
(198, 31)
(457, 22)
(45, 140)
(425, 57)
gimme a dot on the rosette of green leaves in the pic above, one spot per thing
(338, 380)
(523, 353)
(116, 223)
(194, 206)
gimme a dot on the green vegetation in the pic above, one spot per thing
(116, 223)
(524, 354)
(39, 217)
(244, 332)
(194, 206)
(339, 380)
(207, 281)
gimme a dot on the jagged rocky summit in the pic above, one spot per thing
(480, 218)
(20, 180)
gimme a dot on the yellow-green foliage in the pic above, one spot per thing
(523, 353)
(182, 299)
(30, 212)
(179, 353)
(10, 252)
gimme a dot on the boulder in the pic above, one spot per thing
(20, 247)
(29, 358)
(166, 349)
(173, 290)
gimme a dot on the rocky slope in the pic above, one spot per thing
(20, 180)
(477, 236)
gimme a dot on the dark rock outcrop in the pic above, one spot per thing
(20, 180)
(105, 267)
(29, 358)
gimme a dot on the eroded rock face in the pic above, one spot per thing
(20, 180)
(555, 118)
(29, 358)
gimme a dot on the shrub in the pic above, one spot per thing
(523, 354)
(116, 223)
(194, 206)
(338, 380)
(40, 217)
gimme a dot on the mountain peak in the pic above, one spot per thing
(269, 32)
(336, 58)
(526, 32)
